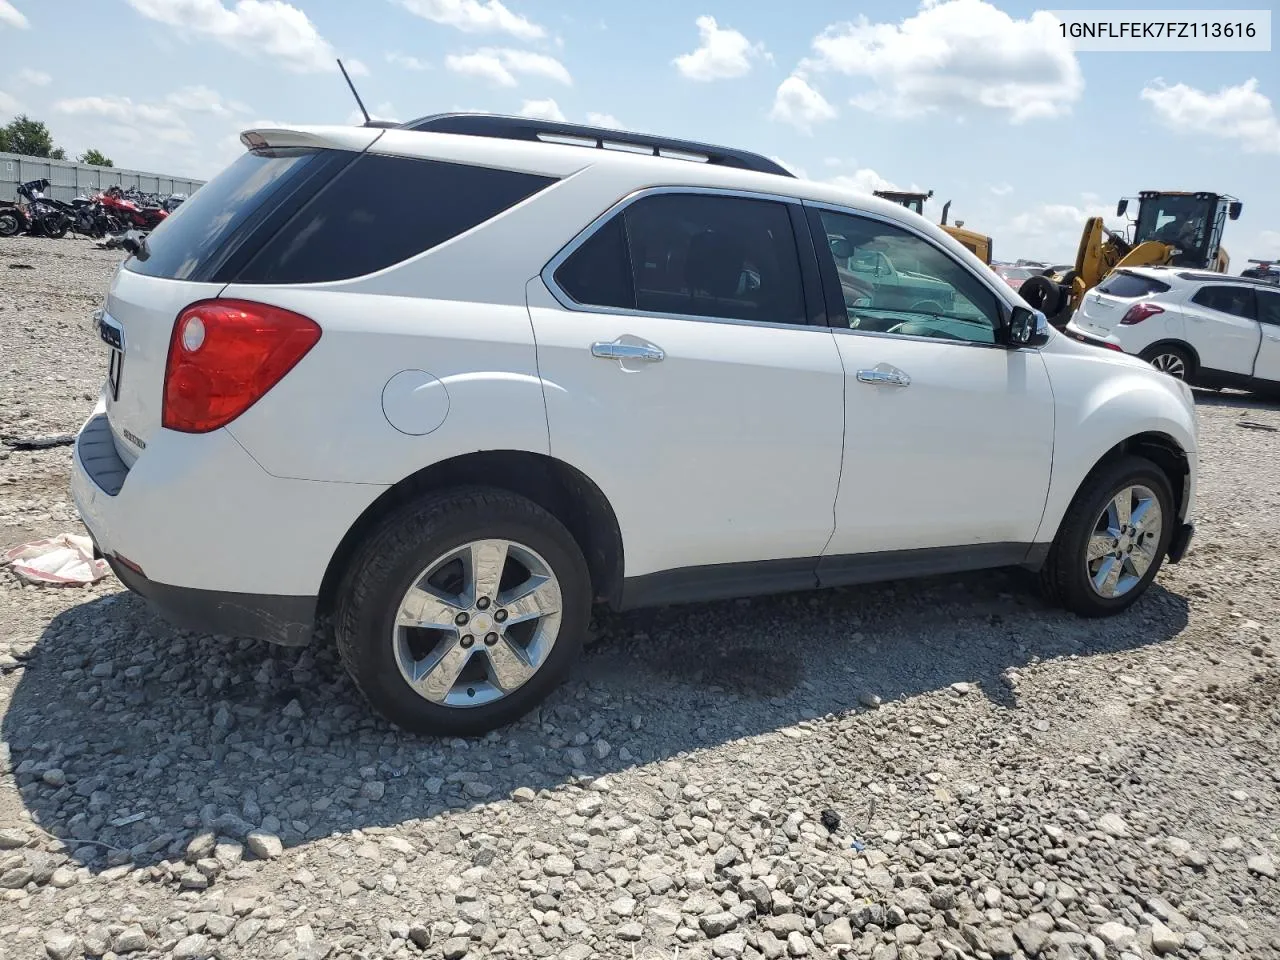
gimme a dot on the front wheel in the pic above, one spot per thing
(462, 611)
(1113, 539)
(10, 225)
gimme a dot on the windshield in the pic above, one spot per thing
(1181, 221)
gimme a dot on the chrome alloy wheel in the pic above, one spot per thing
(1124, 542)
(477, 623)
(1170, 363)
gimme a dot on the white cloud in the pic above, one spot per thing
(954, 54)
(1002, 189)
(407, 62)
(383, 111)
(473, 16)
(34, 78)
(605, 120)
(863, 180)
(542, 110)
(200, 99)
(356, 68)
(800, 105)
(9, 104)
(1270, 240)
(10, 16)
(724, 54)
(278, 30)
(122, 110)
(1239, 113)
(500, 66)
(1049, 231)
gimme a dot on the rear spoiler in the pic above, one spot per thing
(356, 139)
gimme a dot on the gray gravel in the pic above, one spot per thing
(998, 778)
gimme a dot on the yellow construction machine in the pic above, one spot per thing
(977, 243)
(1173, 228)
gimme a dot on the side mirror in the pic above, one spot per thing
(1233, 210)
(1121, 207)
(841, 248)
(1027, 328)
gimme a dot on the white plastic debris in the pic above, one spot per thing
(65, 560)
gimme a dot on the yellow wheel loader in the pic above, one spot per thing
(1175, 229)
(977, 243)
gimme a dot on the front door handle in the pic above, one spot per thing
(621, 350)
(893, 378)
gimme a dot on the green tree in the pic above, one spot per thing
(57, 153)
(31, 138)
(96, 158)
(4, 140)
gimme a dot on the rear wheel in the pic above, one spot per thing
(462, 611)
(1175, 361)
(10, 225)
(1113, 539)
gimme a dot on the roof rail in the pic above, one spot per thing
(602, 138)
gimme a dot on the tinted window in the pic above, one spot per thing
(896, 282)
(382, 210)
(599, 272)
(191, 237)
(1269, 307)
(695, 255)
(1131, 286)
(1237, 301)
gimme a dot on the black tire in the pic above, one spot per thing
(1166, 358)
(1043, 294)
(10, 225)
(55, 228)
(399, 549)
(1063, 578)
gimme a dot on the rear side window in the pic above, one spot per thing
(1130, 286)
(1237, 301)
(1269, 307)
(186, 244)
(692, 255)
(382, 210)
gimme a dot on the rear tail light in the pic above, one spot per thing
(224, 355)
(1139, 312)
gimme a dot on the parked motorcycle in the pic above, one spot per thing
(13, 219)
(46, 216)
(131, 214)
(90, 218)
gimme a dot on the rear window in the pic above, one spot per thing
(186, 244)
(1130, 285)
(381, 210)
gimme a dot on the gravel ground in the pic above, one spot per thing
(942, 768)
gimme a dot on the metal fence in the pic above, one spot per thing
(68, 179)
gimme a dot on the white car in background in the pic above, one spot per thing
(1209, 329)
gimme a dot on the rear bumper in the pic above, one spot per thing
(1078, 335)
(196, 526)
(284, 620)
(1180, 541)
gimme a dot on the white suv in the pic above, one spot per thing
(1209, 329)
(446, 385)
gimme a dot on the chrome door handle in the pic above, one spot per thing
(628, 351)
(894, 378)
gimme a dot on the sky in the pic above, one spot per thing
(983, 103)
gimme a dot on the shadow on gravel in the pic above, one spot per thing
(127, 737)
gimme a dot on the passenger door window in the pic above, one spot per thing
(1269, 307)
(1237, 301)
(694, 255)
(894, 281)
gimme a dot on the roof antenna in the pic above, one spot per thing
(359, 102)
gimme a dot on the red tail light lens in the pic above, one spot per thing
(224, 355)
(1139, 312)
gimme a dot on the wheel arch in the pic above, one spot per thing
(560, 489)
(1162, 450)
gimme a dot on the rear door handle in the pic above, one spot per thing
(894, 378)
(618, 350)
